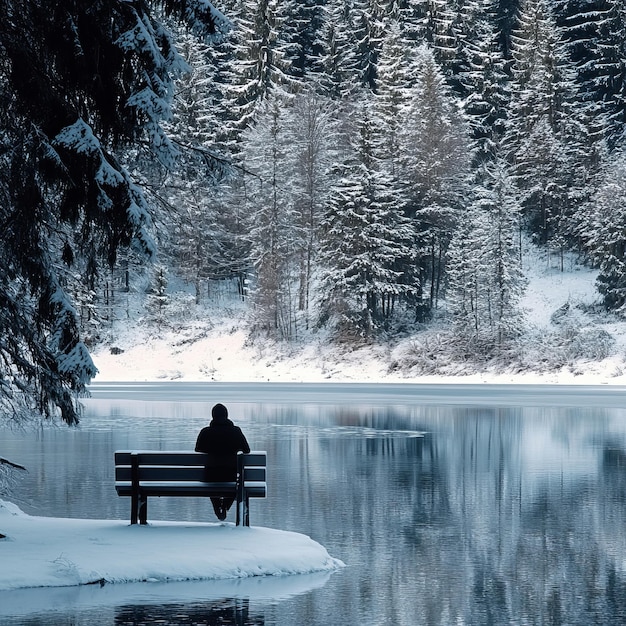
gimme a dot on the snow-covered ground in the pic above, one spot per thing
(215, 344)
(54, 552)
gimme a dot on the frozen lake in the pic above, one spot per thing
(452, 504)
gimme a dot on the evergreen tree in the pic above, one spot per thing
(506, 20)
(202, 107)
(340, 78)
(352, 39)
(312, 127)
(434, 167)
(273, 223)
(367, 25)
(543, 137)
(256, 64)
(484, 79)
(393, 92)
(157, 298)
(366, 241)
(606, 233)
(288, 153)
(83, 80)
(301, 38)
(199, 238)
(486, 281)
(440, 23)
(595, 31)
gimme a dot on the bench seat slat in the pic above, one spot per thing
(161, 473)
(173, 458)
(254, 473)
(256, 458)
(256, 489)
(253, 490)
(148, 487)
(183, 484)
(182, 488)
(179, 473)
(146, 457)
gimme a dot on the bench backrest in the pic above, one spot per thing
(175, 466)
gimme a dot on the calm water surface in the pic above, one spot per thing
(449, 505)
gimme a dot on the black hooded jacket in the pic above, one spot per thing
(222, 440)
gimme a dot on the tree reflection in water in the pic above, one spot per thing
(443, 514)
(227, 612)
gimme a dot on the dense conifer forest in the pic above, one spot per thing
(365, 167)
(377, 162)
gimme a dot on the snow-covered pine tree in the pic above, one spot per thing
(484, 79)
(83, 81)
(312, 126)
(463, 276)
(366, 240)
(486, 280)
(201, 106)
(339, 79)
(393, 85)
(273, 232)
(605, 233)
(367, 24)
(440, 24)
(595, 31)
(255, 69)
(157, 297)
(435, 160)
(542, 143)
(300, 37)
(198, 239)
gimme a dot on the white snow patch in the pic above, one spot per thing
(58, 552)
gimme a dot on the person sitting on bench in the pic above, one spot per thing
(222, 440)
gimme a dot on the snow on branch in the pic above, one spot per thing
(73, 359)
(78, 137)
(141, 40)
(110, 177)
(204, 18)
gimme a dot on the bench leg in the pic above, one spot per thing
(134, 508)
(138, 509)
(134, 478)
(243, 511)
(143, 510)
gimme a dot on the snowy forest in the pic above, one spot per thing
(366, 167)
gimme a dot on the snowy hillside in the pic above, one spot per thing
(568, 339)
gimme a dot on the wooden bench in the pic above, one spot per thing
(144, 473)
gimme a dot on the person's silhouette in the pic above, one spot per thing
(221, 439)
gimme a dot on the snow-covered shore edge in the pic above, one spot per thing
(225, 354)
(60, 552)
(568, 339)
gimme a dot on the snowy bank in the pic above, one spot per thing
(56, 552)
(564, 327)
(223, 354)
